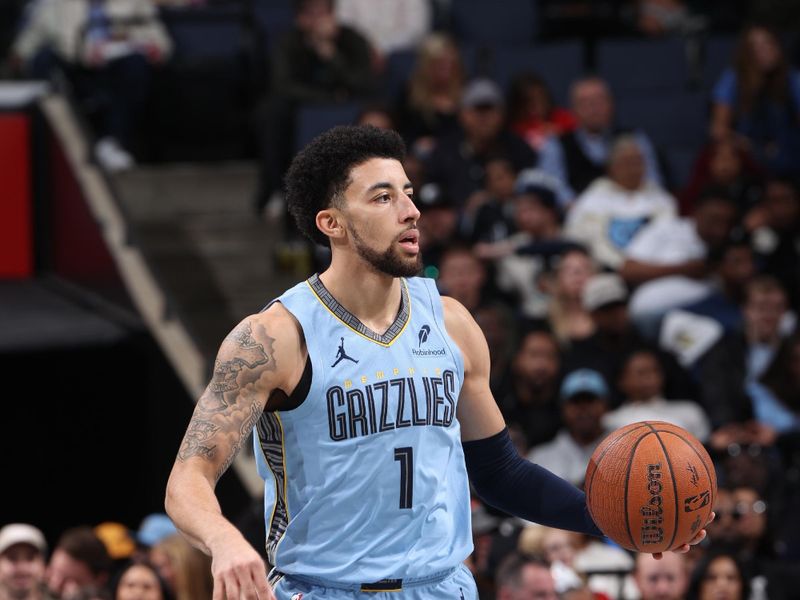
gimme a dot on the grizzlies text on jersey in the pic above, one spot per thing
(365, 480)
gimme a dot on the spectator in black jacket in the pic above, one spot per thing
(318, 61)
(776, 234)
(738, 360)
(578, 157)
(458, 161)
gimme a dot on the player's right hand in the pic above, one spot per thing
(239, 572)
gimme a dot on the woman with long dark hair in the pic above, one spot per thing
(718, 576)
(758, 98)
(533, 114)
(139, 580)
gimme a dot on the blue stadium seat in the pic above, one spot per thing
(718, 53)
(399, 66)
(273, 18)
(643, 64)
(680, 161)
(507, 23)
(313, 119)
(205, 34)
(204, 82)
(670, 119)
(557, 63)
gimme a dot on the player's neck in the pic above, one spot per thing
(371, 296)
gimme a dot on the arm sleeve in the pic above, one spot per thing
(505, 480)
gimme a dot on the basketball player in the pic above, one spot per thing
(369, 398)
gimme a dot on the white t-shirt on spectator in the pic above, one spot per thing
(667, 242)
(564, 456)
(607, 217)
(389, 25)
(519, 275)
(682, 413)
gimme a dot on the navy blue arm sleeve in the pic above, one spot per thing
(505, 480)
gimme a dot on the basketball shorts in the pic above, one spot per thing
(456, 583)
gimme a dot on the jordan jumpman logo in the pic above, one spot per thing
(341, 355)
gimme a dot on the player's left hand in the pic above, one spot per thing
(701, 535)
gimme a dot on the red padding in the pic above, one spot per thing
(16, 228)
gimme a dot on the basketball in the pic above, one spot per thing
(650, 486)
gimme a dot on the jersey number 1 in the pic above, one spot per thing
(406, 458)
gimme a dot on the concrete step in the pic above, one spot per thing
(213, 256)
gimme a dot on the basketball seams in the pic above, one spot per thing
(620, 475)
(600, 458)
(672, 476)
(627, 481)
(711, 479)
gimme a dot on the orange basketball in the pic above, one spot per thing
(650, 486)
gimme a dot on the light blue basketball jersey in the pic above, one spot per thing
(365, 480)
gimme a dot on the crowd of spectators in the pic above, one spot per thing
(608, 292)
(104, 562)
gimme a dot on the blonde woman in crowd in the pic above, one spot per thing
(186, 570)
(429, 107)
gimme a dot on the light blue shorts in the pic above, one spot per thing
(456, 583)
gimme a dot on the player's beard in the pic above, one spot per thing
(390, 261)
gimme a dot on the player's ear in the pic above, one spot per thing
(330, 222)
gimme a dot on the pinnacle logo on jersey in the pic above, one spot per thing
(423, 334)
(342, 355)
(391, 404)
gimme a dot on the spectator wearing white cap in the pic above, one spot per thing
(22, 563)
(605, 298)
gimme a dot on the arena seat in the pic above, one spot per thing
(558, 63)
(670, 118)
(512, 23)
(718, 55)
(199, 100)
(679, 163)
(637, 64)
(313, 119)
(207, 34)
(399, 66)
(273, 18)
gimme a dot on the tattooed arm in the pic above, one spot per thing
(264, 353)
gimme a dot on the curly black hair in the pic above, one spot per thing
(320, 172)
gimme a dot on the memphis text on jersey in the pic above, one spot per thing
(389, 401)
